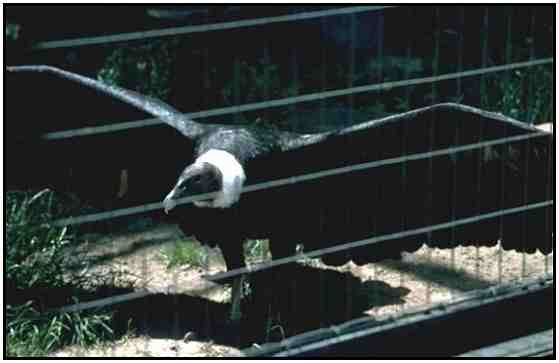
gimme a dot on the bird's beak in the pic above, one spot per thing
(169, 202)
(179, 190)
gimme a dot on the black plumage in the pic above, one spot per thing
(369, 202)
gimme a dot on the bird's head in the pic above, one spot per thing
(214, 171)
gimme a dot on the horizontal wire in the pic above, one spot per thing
(94, 217)
(93, 130)
(112, 300)
(301, 256)
(481, 297)
(188, 29)
(373, 240)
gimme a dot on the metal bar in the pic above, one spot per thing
(320, 96)
(189, 29)
(291, 180)
(298, 346)
(351, 102)
(373, 240)
(531, 115)
(460, 62)
(281, 261)
(483, 104)
(404, 165)
(527, 346)
(550, 194)
(104, 302)
(460, 55)
(508, 54)
(323, 72)
(236, 88)
(434, 94)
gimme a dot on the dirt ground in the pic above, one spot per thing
(426, 276)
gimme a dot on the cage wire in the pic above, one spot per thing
(415, 270)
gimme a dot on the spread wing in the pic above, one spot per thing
(45, 100)
(144, 103)
(414, 194)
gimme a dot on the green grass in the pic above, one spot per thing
(185, 253)
(37, 258)
(188, 252)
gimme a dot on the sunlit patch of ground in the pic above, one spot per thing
(426, 276)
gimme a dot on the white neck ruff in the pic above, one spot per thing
(232, 178)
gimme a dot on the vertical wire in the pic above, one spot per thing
(525, 202)
(508, 55)
(484, 104)
(461, 21)
(434, 92)
(531, 114)
(293, 116)
(380, 76)
(323, 71)
(236, 87)
(527, 147)
(266, 91)
(175, 327)
(550, 171)
(294, 65)
(146, 311)
(404, 165)
(207, 90)
(322, 109)
(351, 102)
(549, 229)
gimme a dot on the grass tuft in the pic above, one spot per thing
(37, 258)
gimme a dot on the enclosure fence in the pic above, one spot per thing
(318, 96)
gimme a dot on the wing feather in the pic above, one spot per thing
(155, 107)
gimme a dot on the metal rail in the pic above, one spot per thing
(94, 130)
(95, 217)
(534, 345)
(312, 254)
(189, 29)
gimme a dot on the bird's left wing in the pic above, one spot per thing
(422, 184)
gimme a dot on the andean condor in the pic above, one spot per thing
(360, 203)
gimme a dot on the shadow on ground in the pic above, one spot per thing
(276, 307)
(438, 273)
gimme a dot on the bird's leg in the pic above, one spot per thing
(284, 287)
(236, 296)
(234, 258)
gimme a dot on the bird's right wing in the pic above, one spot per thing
(152, 106)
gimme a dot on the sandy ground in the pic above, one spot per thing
(426, 276)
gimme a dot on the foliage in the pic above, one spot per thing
(32, 334)
(524, 94)
(257, 250)
(35, 252)
(186, 253)
(12, 31)
(37, 256)
(146, 68)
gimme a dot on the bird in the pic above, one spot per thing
(360, 203)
